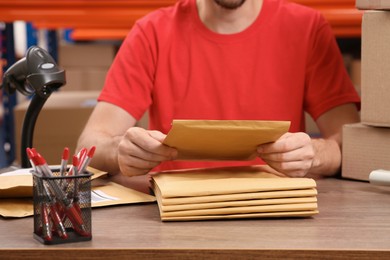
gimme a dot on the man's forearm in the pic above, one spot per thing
(105, 158)
(327, 159)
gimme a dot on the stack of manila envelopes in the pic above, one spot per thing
(235, 192)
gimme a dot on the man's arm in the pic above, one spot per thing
(121, 147)
(296, 154)
(328, 149)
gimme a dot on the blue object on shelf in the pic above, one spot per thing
(9, 101)
(67, 35)
(3, 161)
(52, 44)
(31, 35)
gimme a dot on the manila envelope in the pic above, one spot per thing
(222, 139)
(20, 185)
(220, 181)
(243, 210)
(237, 203)
(289, 214)
(312, 192)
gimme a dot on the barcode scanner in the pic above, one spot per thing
(36, 74)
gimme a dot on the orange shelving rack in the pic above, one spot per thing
(105, 19)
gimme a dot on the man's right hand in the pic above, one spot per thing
(141, 150)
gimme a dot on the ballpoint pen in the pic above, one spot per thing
(75, 165)
(30, 155)
(64, 161)
(46, 230)
(58, 224)
(71, 212)
(40, 163)
(73, 171)
(81, 154)
(87, 159)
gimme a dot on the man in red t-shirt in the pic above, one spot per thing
(224, 59)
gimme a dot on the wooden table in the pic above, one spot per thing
(354, 222)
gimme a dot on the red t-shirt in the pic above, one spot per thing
(173, 66)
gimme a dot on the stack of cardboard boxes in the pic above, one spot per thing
(366, 146)
(86, 64)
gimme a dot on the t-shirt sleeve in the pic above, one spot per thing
(129, 80)
(327, 82)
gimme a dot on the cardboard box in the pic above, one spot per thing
(365, 148)
(84, 79)
(373, 4)
(74, 80)
(59, 123)
(86, 55)
(375, 85)
(95, 78)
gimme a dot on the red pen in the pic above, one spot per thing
(77, 222)
(30, 155)
(46, 230)
(41, 163)
(64, 161)
(74, 169)
(70, 210)
(87, 160)
(58, 224)
(81, 155)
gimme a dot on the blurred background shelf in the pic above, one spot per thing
(95, 19)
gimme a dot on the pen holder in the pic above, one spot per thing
(62, 208)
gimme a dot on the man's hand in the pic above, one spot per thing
(292, 154)
(141, 150)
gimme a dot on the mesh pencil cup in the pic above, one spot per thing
(62, 208)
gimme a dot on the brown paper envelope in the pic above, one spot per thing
(16, 186)
(224, 181)
(24, 207)
(122, 194)
(222, 139)
(242, 210)
(241, 196)
(20, 186)
(16, 207)
(307, 213)
(239, 203)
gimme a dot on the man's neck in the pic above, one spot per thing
(225, 21)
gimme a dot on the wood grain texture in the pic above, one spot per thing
(354, 222)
